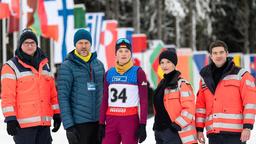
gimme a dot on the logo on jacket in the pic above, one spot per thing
(144, 83)
(119, 78)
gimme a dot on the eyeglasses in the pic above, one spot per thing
(29, 43)
(123, 40)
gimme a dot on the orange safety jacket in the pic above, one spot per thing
(231, 108)
(27, 94)
(180, 106)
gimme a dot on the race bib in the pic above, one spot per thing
(123, 95)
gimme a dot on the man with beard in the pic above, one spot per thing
(80, 90)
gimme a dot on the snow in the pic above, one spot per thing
(176, 7)
(60, 136)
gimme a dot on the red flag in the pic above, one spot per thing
(5, 12)
(49, 27)
(13, 24)
(32, 4)
(139, 43)
(108, 40)
(14, 19)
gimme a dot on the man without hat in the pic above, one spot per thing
(80, 90)
(29, 97)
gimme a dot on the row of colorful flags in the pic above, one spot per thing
(189, 63)
(59, 19)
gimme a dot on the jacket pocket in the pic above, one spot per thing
(172, 105)
(27, 110)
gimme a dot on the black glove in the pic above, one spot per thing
(12, 127)
(56, 122)
(141, 133)
(73, 135)
(101, 133)
(175, 127)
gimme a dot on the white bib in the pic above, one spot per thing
(123, 95)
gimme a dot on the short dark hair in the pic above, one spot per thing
(218, 43)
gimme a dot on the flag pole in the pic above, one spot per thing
(21, 14)
(15, 35)
(4, 41)
(53, 68)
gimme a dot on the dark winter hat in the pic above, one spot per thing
(123, 43)
(82, 34)
(27, 33)
(170, 55)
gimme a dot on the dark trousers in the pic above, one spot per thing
(88, 132)
(167, 136)
(225, 139)
(33, 135)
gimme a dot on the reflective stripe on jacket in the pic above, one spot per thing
(28, 94)
(231, 108)
(180, 106)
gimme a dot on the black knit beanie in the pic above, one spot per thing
(27, 33)
(170, 55)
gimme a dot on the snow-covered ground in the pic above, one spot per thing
(60, 136)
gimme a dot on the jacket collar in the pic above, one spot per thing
(207, 74)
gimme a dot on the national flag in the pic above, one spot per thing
(36, 25)
(4, 9)
(253, 65)
(107, 41)
(79, 16)
(237, 59)
(139, 43)
(94, 22)
(32, 7)
(48, 15)
(125, 32)
(156, 72)
(184, 64)
(13, 22)
(65, 23)
(200, 60)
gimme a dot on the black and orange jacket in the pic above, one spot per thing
(28, 95)
(231, 106)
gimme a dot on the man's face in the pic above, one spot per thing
(29, 47)
(219, 56)
(83, 47)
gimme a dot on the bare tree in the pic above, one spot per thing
(136, 15)
(159, 18)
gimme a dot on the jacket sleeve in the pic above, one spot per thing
(248, 93)
(200, 109)
(143, 95)
(104, 102)
(64, 84)
(187, 100)
(8, 94)
(54, 98)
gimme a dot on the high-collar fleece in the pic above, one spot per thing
(208, 73)
(31, 60)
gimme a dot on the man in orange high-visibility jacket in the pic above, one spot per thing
(29, 97)
(226, 100)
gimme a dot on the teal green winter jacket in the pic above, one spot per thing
(78, 103)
